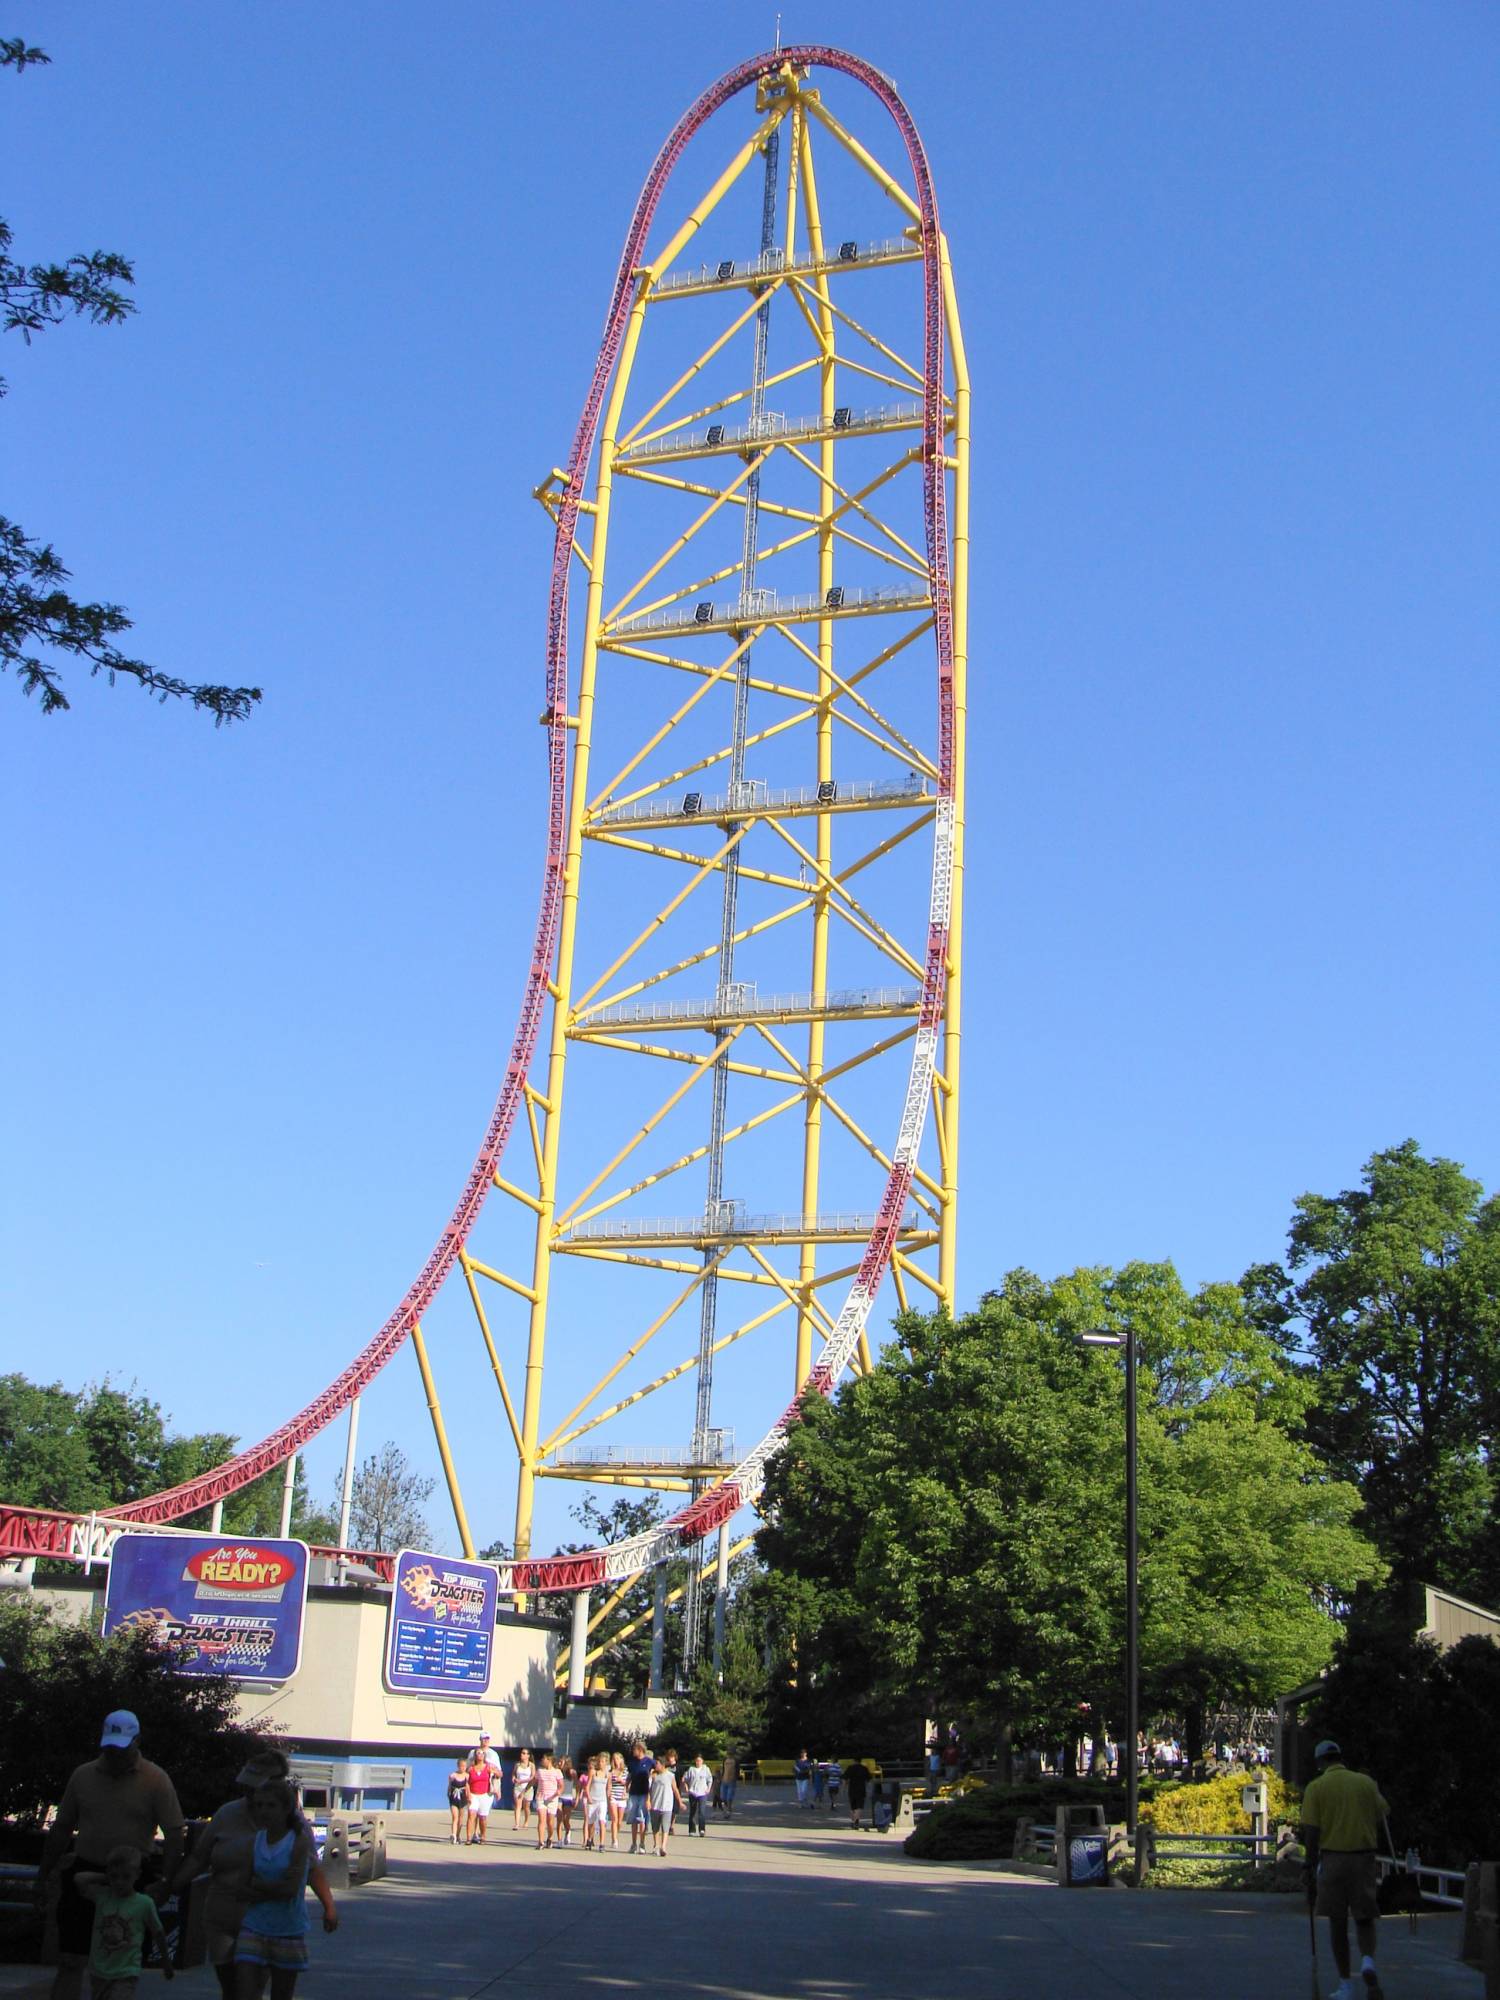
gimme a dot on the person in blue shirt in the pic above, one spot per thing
(638, 1767)
(273, 1932)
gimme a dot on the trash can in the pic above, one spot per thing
(1082, 1847)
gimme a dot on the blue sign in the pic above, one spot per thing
(225, 1604)
(442, 1625)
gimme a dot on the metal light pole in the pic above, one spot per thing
(1103, 1337)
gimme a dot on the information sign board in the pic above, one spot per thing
(441, 1631)
(226, 1604)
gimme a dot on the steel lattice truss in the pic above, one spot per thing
(784, 549)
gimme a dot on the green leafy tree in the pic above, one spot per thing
(947, 1531)
(1395, 1300)
(721, 1711)
(1426, 1726)
(62, 1678)
(101, 1446)
(41, 624)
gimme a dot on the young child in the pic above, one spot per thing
(665, 1796)
(523, 1779)
(619, 1793)
(549, 1784)
(123, 1918)
(273, 1935)
(566, 1802)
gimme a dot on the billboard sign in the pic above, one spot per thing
(230, 1605)
(442, 1625)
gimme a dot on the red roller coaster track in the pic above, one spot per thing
(31, 1531)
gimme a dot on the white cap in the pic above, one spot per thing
(120, 1730)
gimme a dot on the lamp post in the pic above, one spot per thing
(1104, 1337)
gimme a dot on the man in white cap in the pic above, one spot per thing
(117, 1800)
(1341, 1815)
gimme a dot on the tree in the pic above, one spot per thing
(385, 1508)
(100, 1446)
(947, 1531)
(38, 617)
(1426, 1726)
(61, 1678)
(722, 1711)
(1397, 1310)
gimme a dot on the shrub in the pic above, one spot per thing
(980, 1823)
(60, 1682)
(1214, 1805)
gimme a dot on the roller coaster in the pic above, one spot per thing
(761, 710)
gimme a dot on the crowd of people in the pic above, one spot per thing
(817, 1778)
(255, 1860)
(612, 1793)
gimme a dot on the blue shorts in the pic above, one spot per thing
(635, 1810)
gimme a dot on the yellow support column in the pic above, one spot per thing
(812, 1133)
(439, 1431)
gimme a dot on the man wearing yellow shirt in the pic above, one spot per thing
(1341, 1815)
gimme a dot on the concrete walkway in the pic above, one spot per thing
(782, 1905)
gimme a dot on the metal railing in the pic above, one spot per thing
(729, 1220)
(759, 607)
(745, 1004)
(719, 1451)
(911, 790)
(772, 427)
(773, 263)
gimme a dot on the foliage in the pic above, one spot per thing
(717, 1714)
(1426, 1726)
(1214, 1805)
(60, 1681)
(944, 1531)
(1397, 1308)
(37, 616)
(386, 1501)
(102, 1445)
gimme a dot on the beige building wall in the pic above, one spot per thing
(338, 1696)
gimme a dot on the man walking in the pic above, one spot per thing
(117, 1800)
(1341, 1814)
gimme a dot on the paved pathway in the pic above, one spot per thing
(783, 1905)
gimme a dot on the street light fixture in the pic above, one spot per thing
(1105, 1337)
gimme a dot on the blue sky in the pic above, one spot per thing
(1230, 299)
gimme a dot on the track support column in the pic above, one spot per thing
(288, 1494)
(721, 1597)
(658, 1627)
(579, 1645)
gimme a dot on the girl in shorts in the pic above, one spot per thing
(549, 1784)
(458, 1800)
(619, 1787)
(523, 1779)
(481, 1798)
(273, 1934)
(567, 1799)
(595, 1804)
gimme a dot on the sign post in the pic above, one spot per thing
(226, 1605)
(441, 1633)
